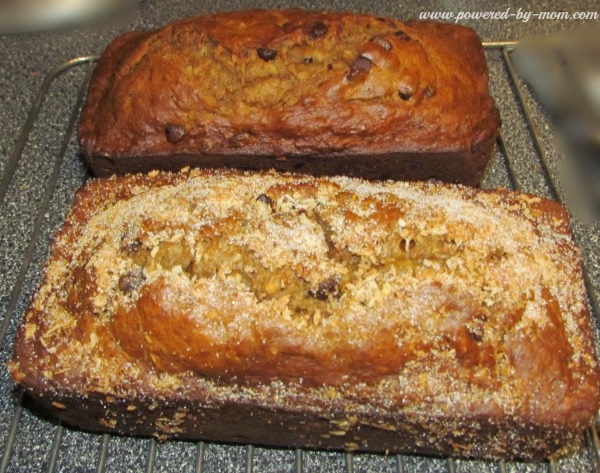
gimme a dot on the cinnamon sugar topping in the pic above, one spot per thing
(432, 292)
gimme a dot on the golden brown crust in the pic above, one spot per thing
(243, 88)
(455, 320)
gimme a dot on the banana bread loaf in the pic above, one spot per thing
(294, 90)
(325, 312)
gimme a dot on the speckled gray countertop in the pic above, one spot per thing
(30, 443)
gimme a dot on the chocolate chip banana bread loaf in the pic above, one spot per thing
(324, 312)
(294, 90)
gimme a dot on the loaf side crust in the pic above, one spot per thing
(298, 311)
(333, 92)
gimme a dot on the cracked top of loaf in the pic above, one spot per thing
(419, 297)
(290, 82)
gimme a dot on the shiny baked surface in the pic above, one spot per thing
(290, 82)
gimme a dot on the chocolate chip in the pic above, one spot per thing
(131, 246)
(131, 280)
(174, 133)
(317, 30)
(330, 67)
(405, 93)
(265, 199)
(384, 43)
(476, 335)
(327, 231)
(308, 60)
(402, 35)
(428, 92)
(266, 54)
(329, 287)
(360, 64)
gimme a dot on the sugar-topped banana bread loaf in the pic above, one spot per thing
(323, 312)
(294, 90)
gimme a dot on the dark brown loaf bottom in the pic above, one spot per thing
(455, 167)
(326, 425)
(319, 312)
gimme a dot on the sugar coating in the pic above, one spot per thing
(414, 299)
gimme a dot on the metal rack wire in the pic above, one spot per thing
(114, 453)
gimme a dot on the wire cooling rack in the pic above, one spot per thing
(36, 188)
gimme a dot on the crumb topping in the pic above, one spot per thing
(428, 295)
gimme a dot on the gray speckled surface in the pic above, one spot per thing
(25, 59)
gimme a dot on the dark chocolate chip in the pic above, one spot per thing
(476, 335)
(132, 246)
(308, 60)
(405, 93)
(360, 64)
(317, 30)
(327, 231)
(265, 199)
(131, 280)
(266, 54)
(329, 287)
(381, 41)
(174, 133)
(330, 67)
(401, 35)
(428, 92)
